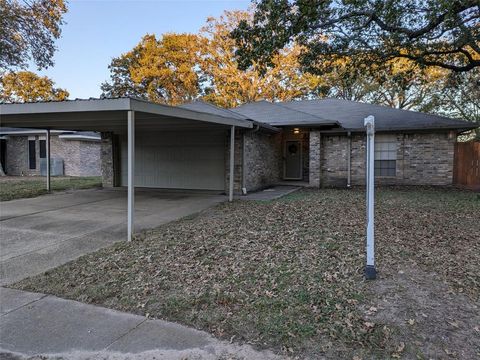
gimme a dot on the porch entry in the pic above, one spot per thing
(293, 160)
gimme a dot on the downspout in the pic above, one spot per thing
(349, 160)
(244, 161)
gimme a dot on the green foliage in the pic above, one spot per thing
(28, 30)
(429, 32)
(459, 96)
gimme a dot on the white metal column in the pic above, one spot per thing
(349, 159)
(232, 161)
(47, 148)
(131, 175)
(370, 271)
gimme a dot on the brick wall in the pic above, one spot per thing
(314, 159)
(422, 159)
(263, 159)
(334, 160)
(107, 159)
(237, 162)
(17, 157)
(80, 158)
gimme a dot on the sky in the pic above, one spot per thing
(98, 30)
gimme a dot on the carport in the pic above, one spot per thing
(127, 117)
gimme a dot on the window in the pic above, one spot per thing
(385, 155)
(32, 155)
(43, 149)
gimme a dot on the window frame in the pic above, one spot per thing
(385, 156)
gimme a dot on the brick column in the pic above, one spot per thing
(314, 162)
(238, 161)
(107, 159)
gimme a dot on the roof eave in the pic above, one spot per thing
(303, 124)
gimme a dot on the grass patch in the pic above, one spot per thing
(286, 274)
(28, 187)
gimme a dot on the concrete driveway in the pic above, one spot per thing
(44, 232)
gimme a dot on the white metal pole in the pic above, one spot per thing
(370, 271)
(47, 148)
(349, 160)
(131, 176)
(232, 163)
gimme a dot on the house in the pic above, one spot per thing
(73, 153)
(316, 142)
(322, 143)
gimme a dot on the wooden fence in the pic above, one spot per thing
(466, 167)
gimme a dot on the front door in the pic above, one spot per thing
(293, 160)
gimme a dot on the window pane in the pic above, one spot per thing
(32, 156)
(43, 149)
(385, 167)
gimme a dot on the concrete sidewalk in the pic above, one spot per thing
(37, 324)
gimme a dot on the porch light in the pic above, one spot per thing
(296, 131)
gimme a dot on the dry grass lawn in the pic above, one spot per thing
(287, 274)
(18, 187)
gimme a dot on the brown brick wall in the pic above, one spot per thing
(422, 159)
(80, 158)
(263, 159)
(107, 159)
(314, 159)
(237, 161)
(17, 157)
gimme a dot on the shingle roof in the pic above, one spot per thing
(351, 114)
(202, 106)
(278, 115)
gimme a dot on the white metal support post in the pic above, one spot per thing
(47, 150)
(232, 163)
(131, 175)
(370, 271)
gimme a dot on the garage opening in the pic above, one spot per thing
(177, 160)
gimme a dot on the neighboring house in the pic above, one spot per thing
(315, 142)
(23, 152)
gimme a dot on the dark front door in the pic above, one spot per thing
(293, 160)
(3, 154)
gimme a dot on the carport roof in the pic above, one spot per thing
(109, 114)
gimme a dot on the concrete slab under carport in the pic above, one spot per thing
(41, 233)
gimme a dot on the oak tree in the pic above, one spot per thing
(177, 68)
(28, 30)
(443, 33)
(25, 86)
(163, 70)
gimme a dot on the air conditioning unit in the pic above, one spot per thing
(56, 167)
